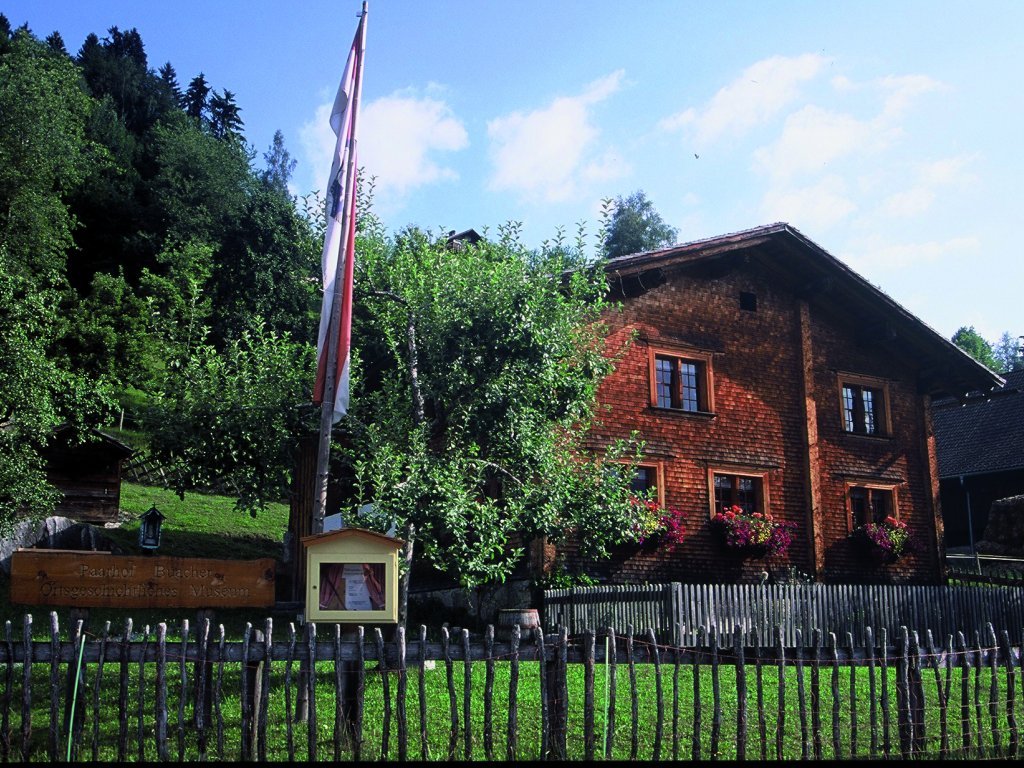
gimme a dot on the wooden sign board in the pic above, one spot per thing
(54, 577)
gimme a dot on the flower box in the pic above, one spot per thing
(753, 534)
(886, 541)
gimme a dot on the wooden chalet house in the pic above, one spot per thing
(762, 371)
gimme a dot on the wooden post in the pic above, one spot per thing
(203, 675)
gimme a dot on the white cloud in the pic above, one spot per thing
(761, 92)
(827, 163)
(811, 208)
(876, 253)
(549, 153)
(903, 90)
(930, 179)
(812, 138)
(399, 138)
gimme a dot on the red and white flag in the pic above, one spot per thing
(339, 239)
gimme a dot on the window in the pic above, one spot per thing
(742, 488)
(647, 477)
(864, 405)
(869, 503)
(681, 382)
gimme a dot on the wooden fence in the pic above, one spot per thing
(677, 612)
(201, 697)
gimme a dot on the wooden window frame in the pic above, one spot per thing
(890, 487)
(883, 415)
(761, 475)
(705, 376)
(659, 477)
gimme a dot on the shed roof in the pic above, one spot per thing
(983, 433)
(829, 286)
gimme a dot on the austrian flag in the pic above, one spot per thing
(333, 340)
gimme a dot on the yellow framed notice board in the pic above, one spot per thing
(352, 577)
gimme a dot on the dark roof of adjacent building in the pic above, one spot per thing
(829, 286)
(63, 433)
(982, 433)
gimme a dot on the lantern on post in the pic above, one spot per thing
(151, 522)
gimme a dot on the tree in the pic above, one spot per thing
(39, 391)
(971, 342)
(169, 78)
(279, 165)
(56, 43)
(635, 227)
(195, 98)
(230, 416)
(1007, 353)
(474, 386)
(44, 156)
(225, 116)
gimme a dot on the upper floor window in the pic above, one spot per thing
(865, 405)
(680, 381)
(869, 503)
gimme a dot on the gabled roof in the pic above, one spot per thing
(351, 532)
(983, 433)
(829, 286)
(115, 445)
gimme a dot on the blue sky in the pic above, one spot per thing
(889, 133)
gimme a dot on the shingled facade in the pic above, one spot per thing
(744, 363)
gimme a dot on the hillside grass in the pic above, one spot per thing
(201, 525)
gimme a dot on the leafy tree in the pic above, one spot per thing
(39, 391)
(971, 342)
(1007, 353)
(108, 337)
(269, 253)
(43, 156)
(635, 227)
(225, 116)
(199, 186)
(475, 383)
(229, 416)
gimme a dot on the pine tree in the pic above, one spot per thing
(279, 164)
(195, 98)
(1007, 353)
(169, 78)
(225, 117)
(56, 43)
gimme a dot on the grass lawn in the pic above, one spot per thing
(283, 737)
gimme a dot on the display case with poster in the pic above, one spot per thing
(352, 577)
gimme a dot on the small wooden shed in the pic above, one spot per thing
(352, 576)
(88, 474)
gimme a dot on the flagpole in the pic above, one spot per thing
(331, 370)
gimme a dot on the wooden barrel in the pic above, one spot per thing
(528, 619)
